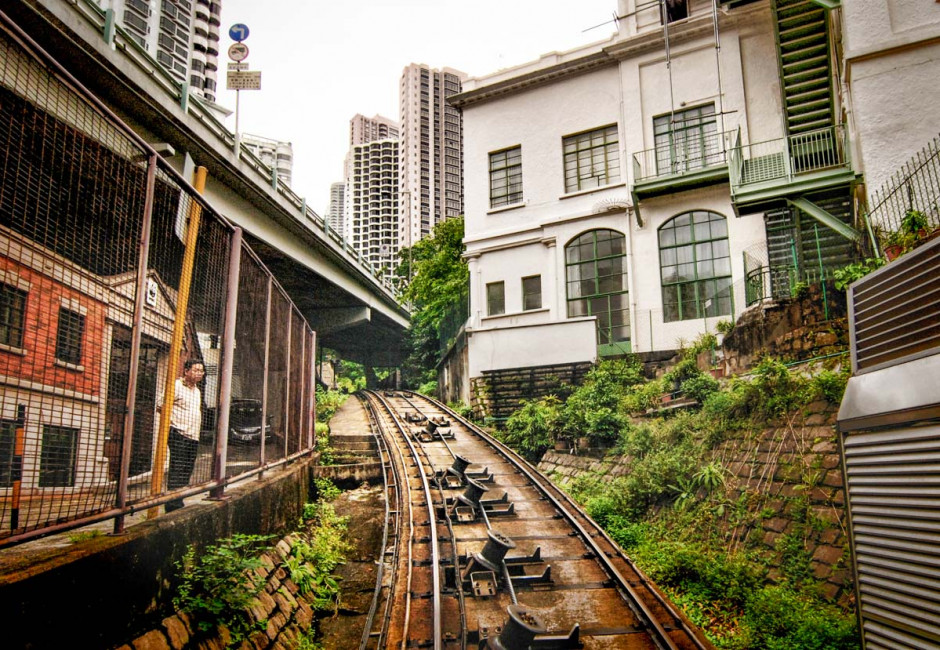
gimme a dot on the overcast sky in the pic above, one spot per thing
(324, 61)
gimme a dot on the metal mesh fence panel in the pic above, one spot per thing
(72, 194)
(278, 364)
(87, 329)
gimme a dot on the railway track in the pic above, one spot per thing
(481, 551)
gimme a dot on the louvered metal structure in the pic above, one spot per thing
(890, 424)
(805, 69)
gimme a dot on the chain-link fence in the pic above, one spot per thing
(119, 286)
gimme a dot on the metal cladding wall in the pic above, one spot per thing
(890, 425)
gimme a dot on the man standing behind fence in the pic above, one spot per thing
(185, 424)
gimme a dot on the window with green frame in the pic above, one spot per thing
(592, 159)
(12, 315)
(7, 446)
(596, 273)
(695, 266)
(532, 292)
(687, 140)
(495, 298)
(506, 177)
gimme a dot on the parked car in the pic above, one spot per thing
(244, 422)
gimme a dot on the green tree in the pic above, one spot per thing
(434, 277)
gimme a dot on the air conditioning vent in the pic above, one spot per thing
(896, 311)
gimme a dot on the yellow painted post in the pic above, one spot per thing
(176, 344)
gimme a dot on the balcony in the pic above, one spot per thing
(690, 159)
(765, 172)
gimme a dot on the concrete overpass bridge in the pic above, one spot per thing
(352, 310)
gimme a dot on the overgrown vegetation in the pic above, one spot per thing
(434, 279)
(220, 585)
(675, 511)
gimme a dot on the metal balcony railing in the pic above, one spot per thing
(784, 159)
(685, 153)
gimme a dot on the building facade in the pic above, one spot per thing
(183, 35)
(628, 195)
(336, 210)
(277, 155)
(431, 180)
(371, 215)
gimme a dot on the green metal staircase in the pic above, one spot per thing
(805, 68)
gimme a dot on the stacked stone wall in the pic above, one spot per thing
(787, 474)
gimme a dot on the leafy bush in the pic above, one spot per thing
(781, 619)
(593, 409)
(532, 429)
(724, 327)
(700, 387)
(857, 270)
(328, 401)
(830, 385)
(428, 388)
(641, 397)
(325, 489)
(461, 409)
(220, 584)
(315, 554)
(777, 390)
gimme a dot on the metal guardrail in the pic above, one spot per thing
(683, 154)
(915, 186)
(103, 21)
(783, 159)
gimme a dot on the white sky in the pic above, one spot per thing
(324, 61)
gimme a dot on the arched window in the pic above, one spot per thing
(596, 273)
(695, 266)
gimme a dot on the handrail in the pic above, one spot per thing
(683, 154)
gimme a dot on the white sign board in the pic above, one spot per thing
(246, 80)
(237, 67)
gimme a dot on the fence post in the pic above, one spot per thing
(288, 360)
(228, 361)
(264, 380)
(312, 397)
(143, 261)
(176, 343)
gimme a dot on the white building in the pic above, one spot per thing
(276, 154)
(336, 210)
(183, 35)
(431, 180)
(630, 194)
(371, 214)
(892, 63)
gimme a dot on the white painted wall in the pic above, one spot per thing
(892, 66)
(509, 243)
(533, 345)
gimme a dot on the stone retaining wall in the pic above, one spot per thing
(784, 470)
(284, 612)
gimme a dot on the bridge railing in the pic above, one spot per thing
(114, 272)
(177, 92)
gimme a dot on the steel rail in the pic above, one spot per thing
(388, 467)
(555, 496)
(437, 636)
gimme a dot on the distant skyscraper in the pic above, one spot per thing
(364, 129)
(183, 35)
(371, 215)
(431, 170)
(274, 153)
(336, 210)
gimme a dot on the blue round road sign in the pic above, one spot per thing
(238, 32)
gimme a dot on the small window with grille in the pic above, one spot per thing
(57, 458)
(12, 315)
(68, 344)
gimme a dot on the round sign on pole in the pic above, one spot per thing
(238, 32)
(238, 52)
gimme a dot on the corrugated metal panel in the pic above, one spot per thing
(893, 490)
(896, 311)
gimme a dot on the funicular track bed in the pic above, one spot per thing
(486, 553)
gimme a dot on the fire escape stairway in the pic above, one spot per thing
(803, 51)
(805, 68)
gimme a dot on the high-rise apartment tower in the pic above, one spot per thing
(183, 35)
(336, 211)
(431, 170)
